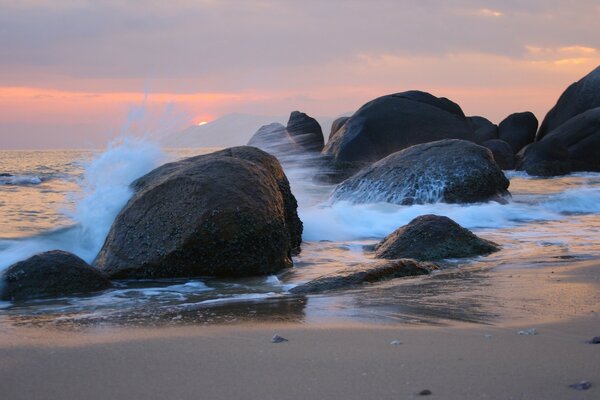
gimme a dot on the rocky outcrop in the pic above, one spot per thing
(573, 146)
(483, 129)
(452, 171)
(502, 152)
(365, 273)
(305, 131)
(50, 274)
(518, 130)
(337, 124)
(229, 213)
(433, 237)
(302, 134)
(579, 97)
(395, 122)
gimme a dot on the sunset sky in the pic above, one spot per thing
(72, 71)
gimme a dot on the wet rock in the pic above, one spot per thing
(578, 98)
(425, 392)
(305, 131)
(278, 339)
(545, 158)
(595, 340)
(433, 237)
(229, 213)
(583, 385)
(274, 139)
(451, 171)
(395, 122)
(50, 274)
(365, 273)
(502, 152)
(518, 130)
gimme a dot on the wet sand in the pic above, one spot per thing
(330, 360)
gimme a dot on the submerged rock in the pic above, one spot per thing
(229, 213)
(518, 130)
(365, 273)
(50, 274)
(452, 171)
(395, 122)
(578, 98)
(433, 237)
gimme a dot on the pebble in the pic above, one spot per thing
(528, 332)
(425, 392)
(595, 340)
(583, 385)
(487, 336)
(278, 339)
(396, 342)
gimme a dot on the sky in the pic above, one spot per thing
(75, 73)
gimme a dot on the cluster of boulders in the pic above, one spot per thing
(232, 213)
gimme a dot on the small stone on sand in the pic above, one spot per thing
(595, 340)
(396, 342)
(278, 339)
(528, 332)
(583, 385)
(425, 392)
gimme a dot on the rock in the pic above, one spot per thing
(337, 124)
(278, 339)
(583, 385)
(579, 97)
(395, 342)
(528, 332)
(574, 146)
(483, 129)
(365, 273)
(229, 213)
(425, 392)
(595, 340)
(305, 131)
(502, 152)
(50, 274)
(395, 122)
(302, 134)
(433, 237)
(452, 171)
(518, 130)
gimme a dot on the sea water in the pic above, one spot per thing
(68, 199)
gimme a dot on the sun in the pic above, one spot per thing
(202, 123)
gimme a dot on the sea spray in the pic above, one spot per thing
(104, 191)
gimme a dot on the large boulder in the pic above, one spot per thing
(365, 273)
(395, 122)
(573, 146)
(518, 130)
(302, 134)
(50, 274)
(229, 213)
(432, 237)
(305, 131)
(452, 171)
(579, 97)
(483, 129)
(502, 152)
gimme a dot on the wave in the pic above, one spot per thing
(20, 180)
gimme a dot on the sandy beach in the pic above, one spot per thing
(338, 360)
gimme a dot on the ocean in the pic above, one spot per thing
(67, 199)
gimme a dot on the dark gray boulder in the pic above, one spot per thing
(573, 146)
(305, 131)
(579, 97)
(337, 124)
(274, 139)
(229, 213)
(452, 171)
(502, 152)
(395, 122)
(433, 237)
(483, 129)
(50, 274)
(518, 130)
(365, 273)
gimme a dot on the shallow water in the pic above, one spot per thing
(68, 199)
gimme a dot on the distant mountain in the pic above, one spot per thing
(230, 130)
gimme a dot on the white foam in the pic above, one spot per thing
(20, 180)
